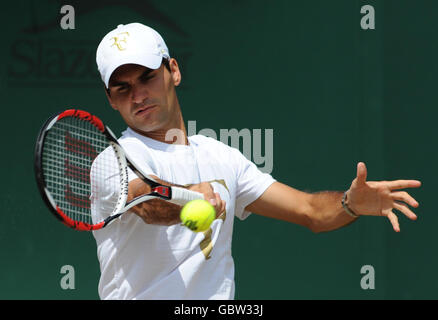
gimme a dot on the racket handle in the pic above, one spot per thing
(181, 196)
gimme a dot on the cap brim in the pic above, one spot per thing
(149, 61)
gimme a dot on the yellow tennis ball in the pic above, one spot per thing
(197, 215)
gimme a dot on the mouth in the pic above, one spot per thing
(144, 110)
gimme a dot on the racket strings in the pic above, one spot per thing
(80, 169)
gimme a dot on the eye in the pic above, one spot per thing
(146, 78)
(122, 88)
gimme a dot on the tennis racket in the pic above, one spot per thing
(77, 160)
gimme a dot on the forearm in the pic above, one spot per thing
(155, 211)
(326, 211)
(318, 212)
(161, 212)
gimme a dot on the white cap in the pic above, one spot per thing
(131, 43)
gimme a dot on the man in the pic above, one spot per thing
(148, 254)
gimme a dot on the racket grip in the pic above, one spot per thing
(181, 196)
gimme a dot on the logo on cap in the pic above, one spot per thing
(118, 40)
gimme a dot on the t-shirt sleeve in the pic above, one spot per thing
(251, 183)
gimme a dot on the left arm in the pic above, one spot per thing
(318, 212)
(324, 212)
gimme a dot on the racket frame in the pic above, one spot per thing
(158, 190)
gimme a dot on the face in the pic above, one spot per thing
(146, 98)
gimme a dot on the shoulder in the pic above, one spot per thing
(201, 139)
(218, 149)
(208, 142)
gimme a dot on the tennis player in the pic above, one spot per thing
(148, 254)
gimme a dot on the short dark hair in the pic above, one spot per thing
(165, 62)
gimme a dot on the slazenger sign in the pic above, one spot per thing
(52, 60)
(39, 60)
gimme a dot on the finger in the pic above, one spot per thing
(219, 214)
(403, 208)
(223, 206)
(206, 190)
(206, 187)
(222, 209)
(394, 221)
(405, 197)
(402, 184)
(212, 201)
(209, 194)
(219, 204)
(361, 173)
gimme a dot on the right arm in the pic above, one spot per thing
(161, 212)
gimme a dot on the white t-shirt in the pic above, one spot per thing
(143, 261)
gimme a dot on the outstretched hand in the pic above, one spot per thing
(380, 198)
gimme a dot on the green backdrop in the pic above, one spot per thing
(333, 94)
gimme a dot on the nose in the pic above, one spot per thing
(138, 94)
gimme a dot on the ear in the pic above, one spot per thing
(109, 99)
(175, 72)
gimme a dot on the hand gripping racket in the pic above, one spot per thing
(78, 159)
